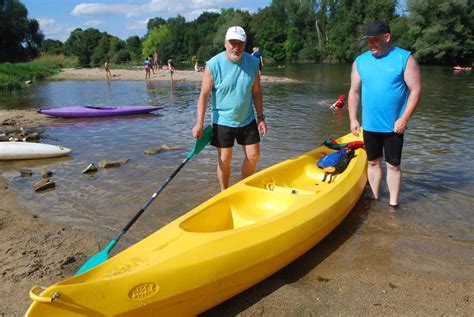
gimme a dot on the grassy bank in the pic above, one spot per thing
(14, 76)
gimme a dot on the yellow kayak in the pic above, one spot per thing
(220, 248)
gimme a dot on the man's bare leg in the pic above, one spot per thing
(252, 154)
(223, 166)
(374, 174)
(394, 179)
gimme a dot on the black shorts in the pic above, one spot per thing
(376, 143)
(223, 136)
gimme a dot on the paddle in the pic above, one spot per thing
(102, 256)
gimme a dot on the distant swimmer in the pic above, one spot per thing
(461, 69)
(340, 103)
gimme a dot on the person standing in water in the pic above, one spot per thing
(232, 80)
(390, 80)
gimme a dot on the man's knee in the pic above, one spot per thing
(375, 163)
(393, 168)
(252, 153)
(225, 156)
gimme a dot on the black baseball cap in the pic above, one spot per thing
(376, 28)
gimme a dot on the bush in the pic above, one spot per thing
(12, 76)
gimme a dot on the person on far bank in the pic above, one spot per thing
(232, 80)
(147, 65)
(107, 70)
(390, 80)
(171, 68)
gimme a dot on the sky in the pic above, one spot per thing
(122, 18)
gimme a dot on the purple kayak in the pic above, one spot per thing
(89, 111)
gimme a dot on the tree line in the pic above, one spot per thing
(437, 31)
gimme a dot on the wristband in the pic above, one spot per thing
(261, 117)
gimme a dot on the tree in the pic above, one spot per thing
(53, 47)
(134, 48)
(174, 46)
(154, 40)
(155, 23)
(20, 37)
(83, 44)
(442, 31)
(199, 36)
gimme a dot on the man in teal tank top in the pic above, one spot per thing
(389, 78)
(232, 81)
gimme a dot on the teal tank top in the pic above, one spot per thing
(384, 91)
(231, 96)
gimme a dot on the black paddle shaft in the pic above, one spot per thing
(150, 200)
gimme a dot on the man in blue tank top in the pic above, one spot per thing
(389, 78)
(232, 81)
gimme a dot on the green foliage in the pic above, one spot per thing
(83, 44)
(134, 48)
(12, 76)
(155, 23)
(442, 31)
(53, 47)
(20, 37)
(154, 41)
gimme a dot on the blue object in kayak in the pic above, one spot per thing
(330, 160)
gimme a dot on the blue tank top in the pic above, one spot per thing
(384, 91)
(232, 96)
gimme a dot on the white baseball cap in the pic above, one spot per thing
(236, 33)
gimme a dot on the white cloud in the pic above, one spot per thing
(53, 30)
(189, 16)
(93, 23)
(101, 9)
(164, 8)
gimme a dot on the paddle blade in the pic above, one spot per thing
(202, 142)
(97, 259)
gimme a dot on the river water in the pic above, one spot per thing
(437, 193)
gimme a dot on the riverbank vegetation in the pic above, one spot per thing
(438, 32)
(15, 75)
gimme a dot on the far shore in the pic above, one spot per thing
(139, 74)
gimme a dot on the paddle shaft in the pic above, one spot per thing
(150, 200)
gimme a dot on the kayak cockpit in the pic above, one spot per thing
(263, 196)
(239, 209)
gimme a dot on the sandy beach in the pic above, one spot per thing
(369, 266)
(139, 74)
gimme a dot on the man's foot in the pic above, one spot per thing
(394, 206)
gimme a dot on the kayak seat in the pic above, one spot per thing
(238, 210)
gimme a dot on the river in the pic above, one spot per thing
(437, 193)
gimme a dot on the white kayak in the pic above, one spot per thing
(29, 150)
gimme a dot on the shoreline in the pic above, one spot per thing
(139, 74)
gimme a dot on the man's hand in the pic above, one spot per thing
(197, 131)
(262, 128)
(400, 126)
(355, 127)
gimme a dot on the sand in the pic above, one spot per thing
(139, 74)
(369, 266)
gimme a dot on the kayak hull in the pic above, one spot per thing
(220, 248)
(30, 150)
(89, 112)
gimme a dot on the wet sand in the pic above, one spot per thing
(371, 265)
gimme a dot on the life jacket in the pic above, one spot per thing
(332, 144)
(335, 163)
